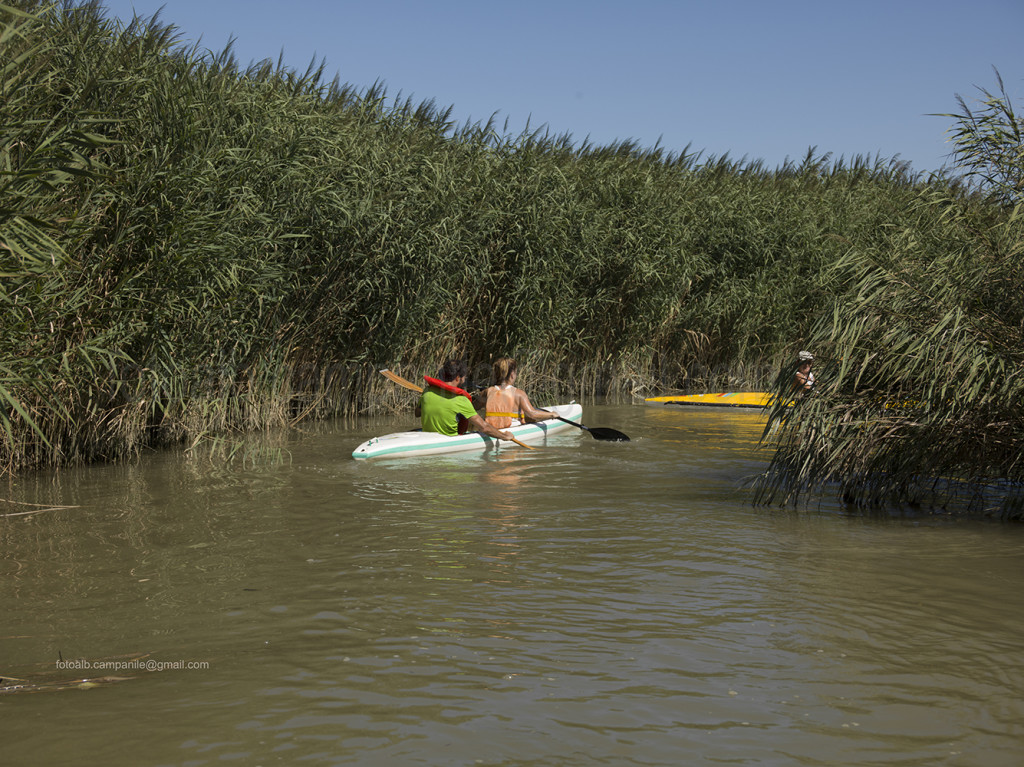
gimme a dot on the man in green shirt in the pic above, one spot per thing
(443, 405)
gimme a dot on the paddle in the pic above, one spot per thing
(392, 376)
(400, 381)
(599, 432)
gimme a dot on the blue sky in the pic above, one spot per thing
(761, 80)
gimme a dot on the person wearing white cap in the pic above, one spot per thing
(804, 378)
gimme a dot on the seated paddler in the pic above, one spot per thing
(505, 402)
(446, 408)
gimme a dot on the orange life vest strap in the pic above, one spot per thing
(447, 387)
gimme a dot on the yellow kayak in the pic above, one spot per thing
(724, 399)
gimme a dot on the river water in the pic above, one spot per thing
(588, 603)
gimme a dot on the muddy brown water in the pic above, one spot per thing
(589, 603)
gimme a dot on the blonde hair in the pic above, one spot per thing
(502, 369)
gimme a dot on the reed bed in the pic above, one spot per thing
(923, 348)
(192, 248)
(923, 374)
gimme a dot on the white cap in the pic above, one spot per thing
(805, 357)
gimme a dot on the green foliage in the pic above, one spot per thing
(989, 144)
(918, 399)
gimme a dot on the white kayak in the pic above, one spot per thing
(405, 444)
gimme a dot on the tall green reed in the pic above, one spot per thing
(918, 399)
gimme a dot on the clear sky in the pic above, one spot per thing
(757, 79)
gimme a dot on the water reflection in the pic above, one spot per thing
(620, 602)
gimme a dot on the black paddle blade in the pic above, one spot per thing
(607, 435)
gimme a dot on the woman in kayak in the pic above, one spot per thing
(505, 402)
(445, 408)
